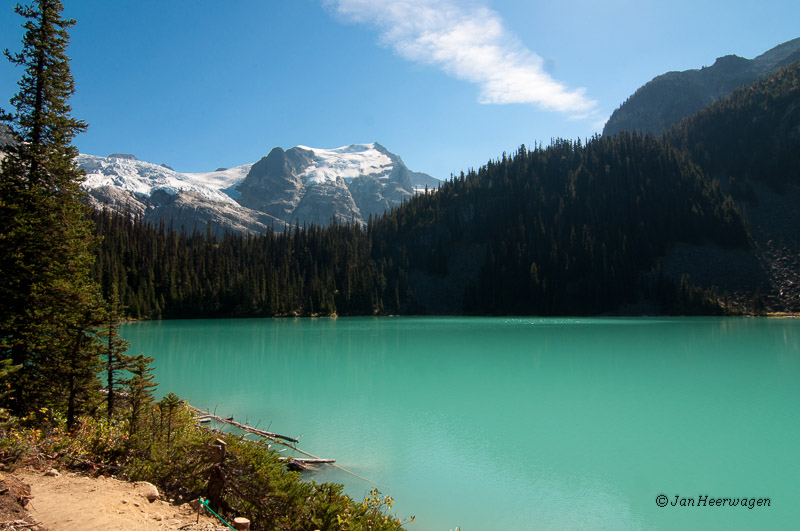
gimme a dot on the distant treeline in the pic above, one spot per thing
(165, 273)
(570, 228)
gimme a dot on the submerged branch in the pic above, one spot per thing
(244, 427)
(283, 441)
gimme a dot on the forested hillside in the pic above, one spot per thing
(753, 135)
(563, 229)
(750, 143)
(566, 229)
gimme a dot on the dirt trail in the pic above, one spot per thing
(70, 502)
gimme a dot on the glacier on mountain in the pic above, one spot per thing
(347, 162)
(143, 178)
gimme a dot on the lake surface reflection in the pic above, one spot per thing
(516, 423)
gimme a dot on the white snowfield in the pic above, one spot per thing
(222, 179)
(143, 178)
(347, 162)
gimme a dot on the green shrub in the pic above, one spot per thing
(240, 477)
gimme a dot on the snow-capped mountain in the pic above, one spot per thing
(141, 179)
(299, 185)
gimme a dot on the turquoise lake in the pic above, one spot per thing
(516, 424)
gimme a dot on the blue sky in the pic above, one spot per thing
(446, 84)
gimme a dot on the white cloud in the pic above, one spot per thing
(468, 42)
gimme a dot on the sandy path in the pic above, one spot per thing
(76, 503)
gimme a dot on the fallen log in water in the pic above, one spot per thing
(299, 464)
(283, 441)
(307, 461)
(202, 415)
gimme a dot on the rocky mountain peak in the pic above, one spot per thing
(670, 97)
(298, 185)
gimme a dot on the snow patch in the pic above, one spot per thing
(222, 179)
(347, 162)
(143, 178)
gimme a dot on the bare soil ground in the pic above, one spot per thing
(14, 496)
(70, 502)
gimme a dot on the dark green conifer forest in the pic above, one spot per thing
(160, 272)
(567, 229)
(752, 135)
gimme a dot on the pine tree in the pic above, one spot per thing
(114, 348)
(49, 302)
(167, 407)
(74, 362)
(140, 387)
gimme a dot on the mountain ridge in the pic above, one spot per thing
(666, 99)
(287, 187)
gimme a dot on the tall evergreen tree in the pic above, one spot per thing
(140, 386)
(114, 348)
(49, 302)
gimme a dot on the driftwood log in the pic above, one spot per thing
(269, 435)
(283, 440)
(307, 461)
(300, 464)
